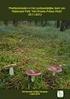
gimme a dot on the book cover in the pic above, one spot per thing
(34, 49)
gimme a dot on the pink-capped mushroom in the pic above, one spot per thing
(33, 73)
(55, 69)
(31, 76)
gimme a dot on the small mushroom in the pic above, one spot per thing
(31, 76)
(55, 69)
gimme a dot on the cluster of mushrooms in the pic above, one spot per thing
(32, 74)
(54, 69)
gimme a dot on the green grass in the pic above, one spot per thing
(36, 47)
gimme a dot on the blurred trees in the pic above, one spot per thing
(61, 24)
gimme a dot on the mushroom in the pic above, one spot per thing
(55, 69)
(10, 68)
(31, 76)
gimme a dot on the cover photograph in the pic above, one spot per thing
(34, 49)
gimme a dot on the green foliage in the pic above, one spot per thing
(34, 47)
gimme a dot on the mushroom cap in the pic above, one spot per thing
(55, 68)
(33, 73)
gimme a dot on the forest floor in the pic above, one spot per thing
(37, 48)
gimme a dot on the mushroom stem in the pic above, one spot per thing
(11, 71)
(53, 73)
(32, 78)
